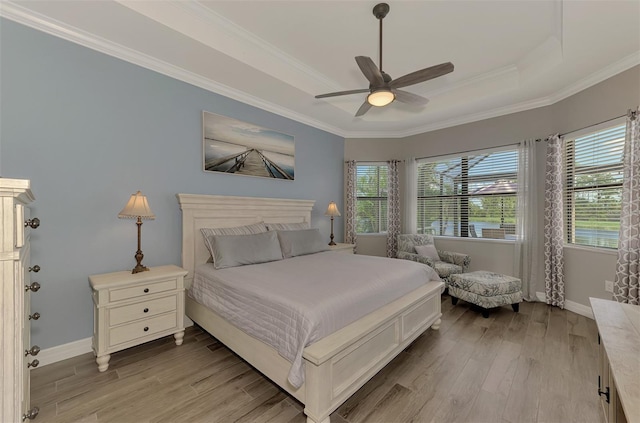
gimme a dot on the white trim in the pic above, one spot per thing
(43, 23)
(577, 308)
(58, 29)
(64, 351)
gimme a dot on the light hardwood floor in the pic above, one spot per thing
(538, 365)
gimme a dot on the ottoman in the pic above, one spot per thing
(486, 290)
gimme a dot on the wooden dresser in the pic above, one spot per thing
(619, 359)
(16, 353)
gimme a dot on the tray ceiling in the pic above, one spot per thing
(509, 56)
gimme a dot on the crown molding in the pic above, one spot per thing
(58, 29)
(27, 17)
(613, 69)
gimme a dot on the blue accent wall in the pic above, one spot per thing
(89, 130)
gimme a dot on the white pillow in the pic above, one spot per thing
(428, 250)
(298, 243)
(287, 226)
(240, 250)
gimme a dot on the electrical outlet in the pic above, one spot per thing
(608, 286)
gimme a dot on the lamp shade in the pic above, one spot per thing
(381, 98)
(332, 210)
(137, 207)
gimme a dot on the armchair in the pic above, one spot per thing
(450, 263)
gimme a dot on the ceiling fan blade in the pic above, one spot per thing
(370, 70)
(363, 109)
(410, 98)
(364, 90)
(422, 75)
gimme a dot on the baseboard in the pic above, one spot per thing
(577, 308)
(75, 348)
(64, 351)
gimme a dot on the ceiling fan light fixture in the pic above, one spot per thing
(381, 98)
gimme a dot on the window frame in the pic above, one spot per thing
(569, 172)
(379, 199)
(462, 222)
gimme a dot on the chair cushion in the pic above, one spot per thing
(428, 251)
(445, 269)
(486, 284)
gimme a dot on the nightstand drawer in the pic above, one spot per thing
(142, 310)
(143, 289)
(136, 330)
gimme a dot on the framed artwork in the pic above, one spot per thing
(242, 148)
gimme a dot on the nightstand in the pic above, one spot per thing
(130, 309)
(342, 248)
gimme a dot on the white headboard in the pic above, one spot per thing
(221, 211)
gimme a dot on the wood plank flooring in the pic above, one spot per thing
(538, 365)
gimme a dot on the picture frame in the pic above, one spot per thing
(241, 148)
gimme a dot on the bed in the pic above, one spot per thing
(335, 366)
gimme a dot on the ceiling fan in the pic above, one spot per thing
(383, 89)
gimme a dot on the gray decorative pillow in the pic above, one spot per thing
(301, 242)
(428, 250)
(240, 250)
(287, 226)
(207, 233)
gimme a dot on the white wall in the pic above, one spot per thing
(585, 268)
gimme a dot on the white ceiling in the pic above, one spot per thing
(509, 56)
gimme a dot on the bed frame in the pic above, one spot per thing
(335, 366)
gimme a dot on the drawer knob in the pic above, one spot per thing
(35, 268)
(34, 363)
(146, 290)
(146, 310)
(31, 414)
(35, 286)
(33, 351)
(34, 223)
(34, 316)
(146, 328)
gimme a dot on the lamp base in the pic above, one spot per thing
(332, 243)
(140, 268)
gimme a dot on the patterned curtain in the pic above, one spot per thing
(350, 207)
(393, 207)
(410, 196)
(526, 251)
(625, 288)
(553, 224)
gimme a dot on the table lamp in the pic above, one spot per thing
(137, 208)
(332, 211)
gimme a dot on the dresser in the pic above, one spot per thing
(619, 359)
(16, 352)
(133, 308)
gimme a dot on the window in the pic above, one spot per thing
(593, 187)
(469, 195)
(371, 203)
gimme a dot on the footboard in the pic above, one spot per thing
(338, 365)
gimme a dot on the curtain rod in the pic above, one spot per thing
(595, 124)
(588, 126)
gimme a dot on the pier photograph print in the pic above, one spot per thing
(241, 148)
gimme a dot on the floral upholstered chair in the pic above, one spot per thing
(445, 263)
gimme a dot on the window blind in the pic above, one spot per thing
(593, 187)
(371, 204)
(469, 195)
